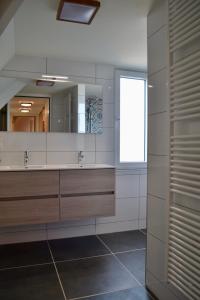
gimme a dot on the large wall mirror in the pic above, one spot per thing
(50, 106)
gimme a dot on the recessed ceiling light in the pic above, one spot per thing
(77, 11)
(26, 104)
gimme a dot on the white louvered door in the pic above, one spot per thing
(184, 215)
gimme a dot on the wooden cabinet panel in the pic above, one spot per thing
(29, 183)
(87, 206)
(87, 181)
(34, 211)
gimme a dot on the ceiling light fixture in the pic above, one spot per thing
(54, 80)
(26, 104)
(77, 11)
(44, 82)
(54, 77)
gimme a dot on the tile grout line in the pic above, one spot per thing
(58, 276)
(125, 268)
(100, 255)
(82, 258)
(141, 230)
(73, 259)
(139, 204)
(122, 266)
(26, 266)
(99, 294)
(129, 251)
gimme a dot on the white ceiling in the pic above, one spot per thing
(117, 35)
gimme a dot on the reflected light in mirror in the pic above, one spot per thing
(54, 76)
(24, 110)
(26, 104)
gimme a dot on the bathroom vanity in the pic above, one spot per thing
(45, 194)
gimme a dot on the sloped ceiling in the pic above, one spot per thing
(118, 34)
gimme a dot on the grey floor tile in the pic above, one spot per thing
(135, 262)
(124, 241)
(15, 255)
(130, 294)
(93, 276)
(78, 247)
(32, 283)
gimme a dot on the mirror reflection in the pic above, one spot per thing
(46, 106)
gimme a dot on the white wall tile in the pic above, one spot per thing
(157, 215)
(158, 176)
(116, 227)
(157, 17)
(22, 228)
(143, 185)
(11, 158)
(108, 115)
(22, 236)
(61, 157)
(142, 207)
(66, 232)
(160, 289)
(57, 66)
(157, 51)
(122, 172)
(18, 141)
(127, 186)
(158, 92)
(156, 257)
(72, 223)
(70, 142)
(108, 90)
(104, 71)
(142, 224)
(158, 134)
(37, 158)
(126, 209)
(82, 79)
(105, 157)
(105, 141)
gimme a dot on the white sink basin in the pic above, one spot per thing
(55, 167)
(35, 167)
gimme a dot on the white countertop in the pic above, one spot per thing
(55, 167)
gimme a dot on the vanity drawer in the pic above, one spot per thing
(86, 181)
(29, 183)
(87, 206)
(29, 211)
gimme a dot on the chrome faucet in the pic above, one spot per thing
(80, 157)
(26, 158)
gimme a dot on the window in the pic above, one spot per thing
(131, 118)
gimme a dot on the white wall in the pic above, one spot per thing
(7, 44)
(58, 148)
(158, 151)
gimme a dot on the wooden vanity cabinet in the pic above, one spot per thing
(34, 197)
(87, 193)
(29, 197)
